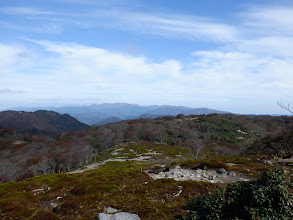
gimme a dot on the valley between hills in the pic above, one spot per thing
(55, 167)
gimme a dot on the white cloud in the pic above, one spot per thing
(275, 19)
(179, 26)
(215, 79)
(7, 91)
(251, 69)
(24, 11)
(167, 25)
(221, 55)
(42, 27)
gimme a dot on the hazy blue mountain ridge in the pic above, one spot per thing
(96, 113)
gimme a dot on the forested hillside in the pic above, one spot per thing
(26, 155)
(39, 122)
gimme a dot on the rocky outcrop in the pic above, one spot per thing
(212, 176)
(118, 216)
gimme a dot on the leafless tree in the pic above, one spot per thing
(196, 146)
(285, 106)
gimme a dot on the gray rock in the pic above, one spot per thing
(211, 177)
(126, 216)
(168, 175)
(231, 164)
(118, 216)
(197, 175)
(53, 205)
(222, 171)
(232, 173)
(103, 216)
(110, 210)
(267, 162)
(193, 178)
(177, 167)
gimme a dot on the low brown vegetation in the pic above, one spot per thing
(119, 185)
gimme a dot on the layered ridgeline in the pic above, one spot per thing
(39, 122)
(111, 112)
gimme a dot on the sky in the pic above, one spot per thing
(227, 55)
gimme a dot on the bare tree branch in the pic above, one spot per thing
(196, 145)
(284, 106)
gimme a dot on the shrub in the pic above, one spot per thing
(45, 215)
(269, 197)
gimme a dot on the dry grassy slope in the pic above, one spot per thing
(119, 185)
(122, 185)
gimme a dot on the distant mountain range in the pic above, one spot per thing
(107, 120)
(40, 122)
(99, 114)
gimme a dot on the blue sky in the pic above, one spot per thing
(228, 55)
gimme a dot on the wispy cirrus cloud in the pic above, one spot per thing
(178, 26)
(277, 20)
(166, 25)
(10, 91)
(42, 27)
(25, 11)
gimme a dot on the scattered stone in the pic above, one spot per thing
(110, 210)
(243, 179)
(115, 153)
(180, 191)
(53, 205)
(168, 175)
(118, 216)
(38, 190)
(177, 167)
(211, 177)
(197, 176)
(222, 171)
(232, 173)
(267, 162)
(231, 164)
